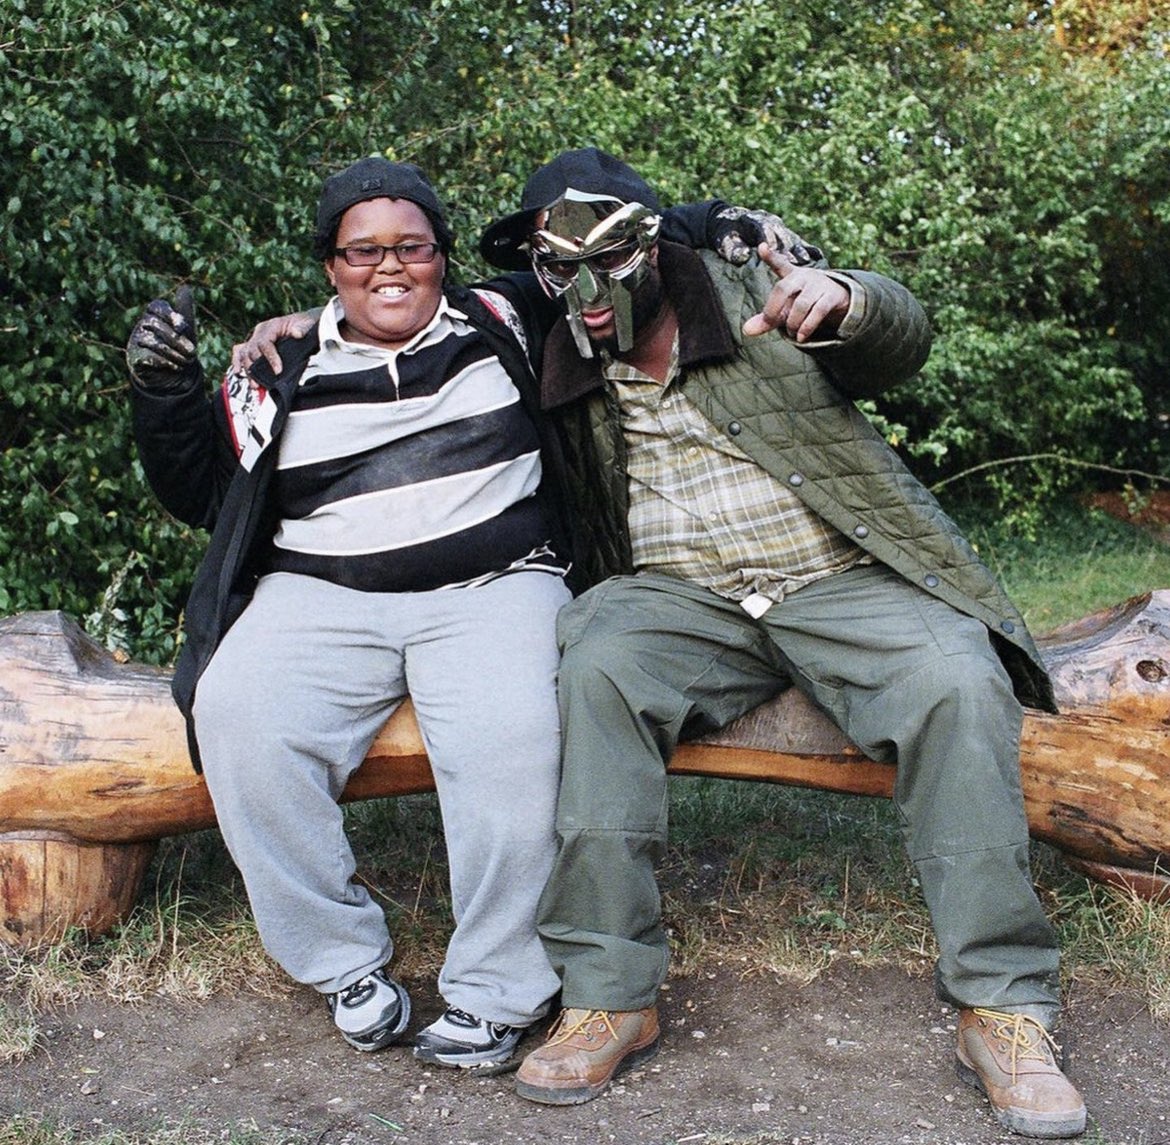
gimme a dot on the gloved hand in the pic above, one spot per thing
(737, 232)
(161, 350)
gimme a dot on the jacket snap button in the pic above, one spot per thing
(796, 479)
(1008, 627)
(861, 531)
(734, 428)
(931, 581)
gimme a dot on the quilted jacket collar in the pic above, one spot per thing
(704, 335)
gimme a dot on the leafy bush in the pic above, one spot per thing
(1006, 162)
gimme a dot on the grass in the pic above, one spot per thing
(1080, 561)
(190, 936)
(763, 878)
(18, 1032)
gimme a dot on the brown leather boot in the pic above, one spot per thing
(1009, 1057)
(585, 1050)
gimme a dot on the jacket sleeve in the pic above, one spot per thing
(890, 345)
(185, 449)
(689, 224)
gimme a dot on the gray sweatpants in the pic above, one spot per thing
(649, 660)
(287, 710)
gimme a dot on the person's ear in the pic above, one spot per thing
(328, 264)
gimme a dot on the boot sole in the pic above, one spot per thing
(578, 1095)
(1019, 1121)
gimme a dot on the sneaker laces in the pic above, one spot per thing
(462, 1017)
(356, 992)
(568, 1027)
(1026, 1038)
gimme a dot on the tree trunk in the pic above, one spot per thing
(94, 767)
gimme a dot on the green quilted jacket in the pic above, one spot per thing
(791, 410)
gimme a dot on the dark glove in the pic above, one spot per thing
(161, 350)
(736, 232)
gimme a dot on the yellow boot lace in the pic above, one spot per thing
(1026, 1038)
(578, 1022)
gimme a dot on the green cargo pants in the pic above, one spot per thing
(649, 660)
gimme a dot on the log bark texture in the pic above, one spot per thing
(94, 767)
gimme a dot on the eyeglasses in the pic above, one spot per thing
(372, 254)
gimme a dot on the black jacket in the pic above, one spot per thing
(187, 451)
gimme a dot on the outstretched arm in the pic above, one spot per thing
(868, 331)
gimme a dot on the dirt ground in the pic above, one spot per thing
(858, 1056)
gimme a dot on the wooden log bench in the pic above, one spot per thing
(94, 768)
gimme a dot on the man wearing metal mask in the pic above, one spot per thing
(595, 251)
(745, 529)
(591, 252)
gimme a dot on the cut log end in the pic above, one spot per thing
(53, 884)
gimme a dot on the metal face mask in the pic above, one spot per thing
(591, 251)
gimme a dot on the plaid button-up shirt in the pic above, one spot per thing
(701, 510)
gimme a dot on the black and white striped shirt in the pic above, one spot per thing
(409, 470)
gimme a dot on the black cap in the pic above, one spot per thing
(588, 170)
(373, 178)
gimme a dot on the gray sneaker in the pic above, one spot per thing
(371, 1012)
(463, 1041)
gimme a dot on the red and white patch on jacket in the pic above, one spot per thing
(249, 412)
(502, 309)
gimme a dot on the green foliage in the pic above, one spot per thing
(1007, 162)
(1078, 561)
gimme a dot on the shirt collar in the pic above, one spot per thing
(615, 370)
